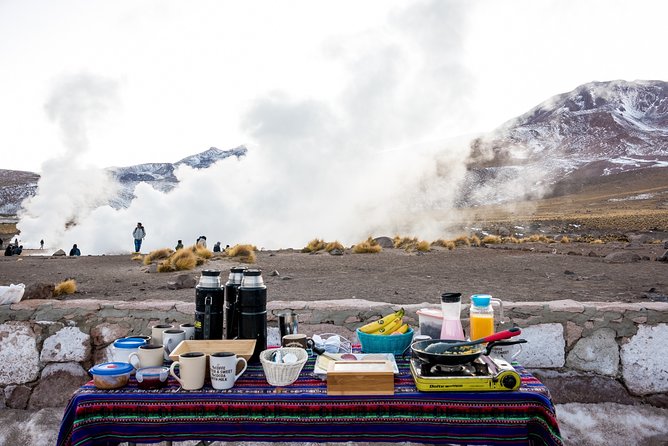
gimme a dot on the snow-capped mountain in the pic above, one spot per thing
(600, 128)
(161, 175)
(15, 186)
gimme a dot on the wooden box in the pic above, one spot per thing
(360, 378)
(241, 347)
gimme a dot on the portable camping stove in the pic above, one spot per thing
(482, 374)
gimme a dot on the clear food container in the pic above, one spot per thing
(111, 375)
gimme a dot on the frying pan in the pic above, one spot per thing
(451, 352)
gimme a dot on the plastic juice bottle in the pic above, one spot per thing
(451, 304)
(481, 316)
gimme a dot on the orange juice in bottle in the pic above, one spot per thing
(481, 316)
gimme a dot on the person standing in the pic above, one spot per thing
(139, 233)
(41, 244)
(75, 251)
(179, 245)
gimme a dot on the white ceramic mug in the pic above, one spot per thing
(192, 370)
(223, 369)
(156, 332)
(171, 338)
(148, 355)
(190, 331)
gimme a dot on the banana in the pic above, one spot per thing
(373, 327)
(389, 328)
(401, 330)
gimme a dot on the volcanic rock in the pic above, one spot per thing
(39, 290)
(59, 253)
(384, 242)
(622, 257)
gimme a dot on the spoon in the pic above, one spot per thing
(506, 334)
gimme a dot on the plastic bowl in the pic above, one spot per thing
(377, 343)
(111, 375)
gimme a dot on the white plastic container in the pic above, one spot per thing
(431, 322)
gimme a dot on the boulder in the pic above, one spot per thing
(106, 333)
(622, 257)
(646, 373)
(18, 354)
(663, 257)
(68, 344)
(545, 346)
(17, 397)
(56, 385)
(182, 281)
(503, 231)
(597, 352)
(59, 253)
(575, 387)
(384, 242)
(336, 252)
(39, 290)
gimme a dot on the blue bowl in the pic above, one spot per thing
(376, 343)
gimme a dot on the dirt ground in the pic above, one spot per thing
(526, 272)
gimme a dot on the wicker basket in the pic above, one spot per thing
(281, 374)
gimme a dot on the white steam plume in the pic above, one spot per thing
(67, 191)
(341, 169)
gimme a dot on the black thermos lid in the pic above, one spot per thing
(211, 272)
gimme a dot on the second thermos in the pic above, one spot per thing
(252, 303)
(232, 312)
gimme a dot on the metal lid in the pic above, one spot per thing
(211, 272)
(129, 343)
(252, 272)
(238, 269)
(481, 300)
(111, 368)
(450, 298)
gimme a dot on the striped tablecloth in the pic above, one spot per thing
(303, 412)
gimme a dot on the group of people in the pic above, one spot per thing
(139, 234)
(13, 249)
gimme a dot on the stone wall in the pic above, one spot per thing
(584, 352)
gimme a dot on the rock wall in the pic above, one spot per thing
(583, 351)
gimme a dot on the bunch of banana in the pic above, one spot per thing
(391, 324)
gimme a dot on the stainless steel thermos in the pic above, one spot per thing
(209, 302)
(232, 312)
(252, 303)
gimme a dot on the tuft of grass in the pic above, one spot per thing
(331, 246)
(462, 240)
(315, 245)
(68, 286)
(186, 261)
(158, 254)
(449, 244)
(183, 259)
(202, 252)
(423, 246)
(598, 241)
(475, 240)
(565, 239)
(510, 240)
(137, 257)
(245, 253)
(405, 242)
(491, 239)
(369, 246)
(165, 267)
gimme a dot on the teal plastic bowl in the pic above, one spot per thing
(374, 343)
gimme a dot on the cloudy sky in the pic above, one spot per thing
(356, 114)
(176, 77)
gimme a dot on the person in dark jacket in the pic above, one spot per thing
(75, 251)
(9, 250)
(179, 245)
(216, 247)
